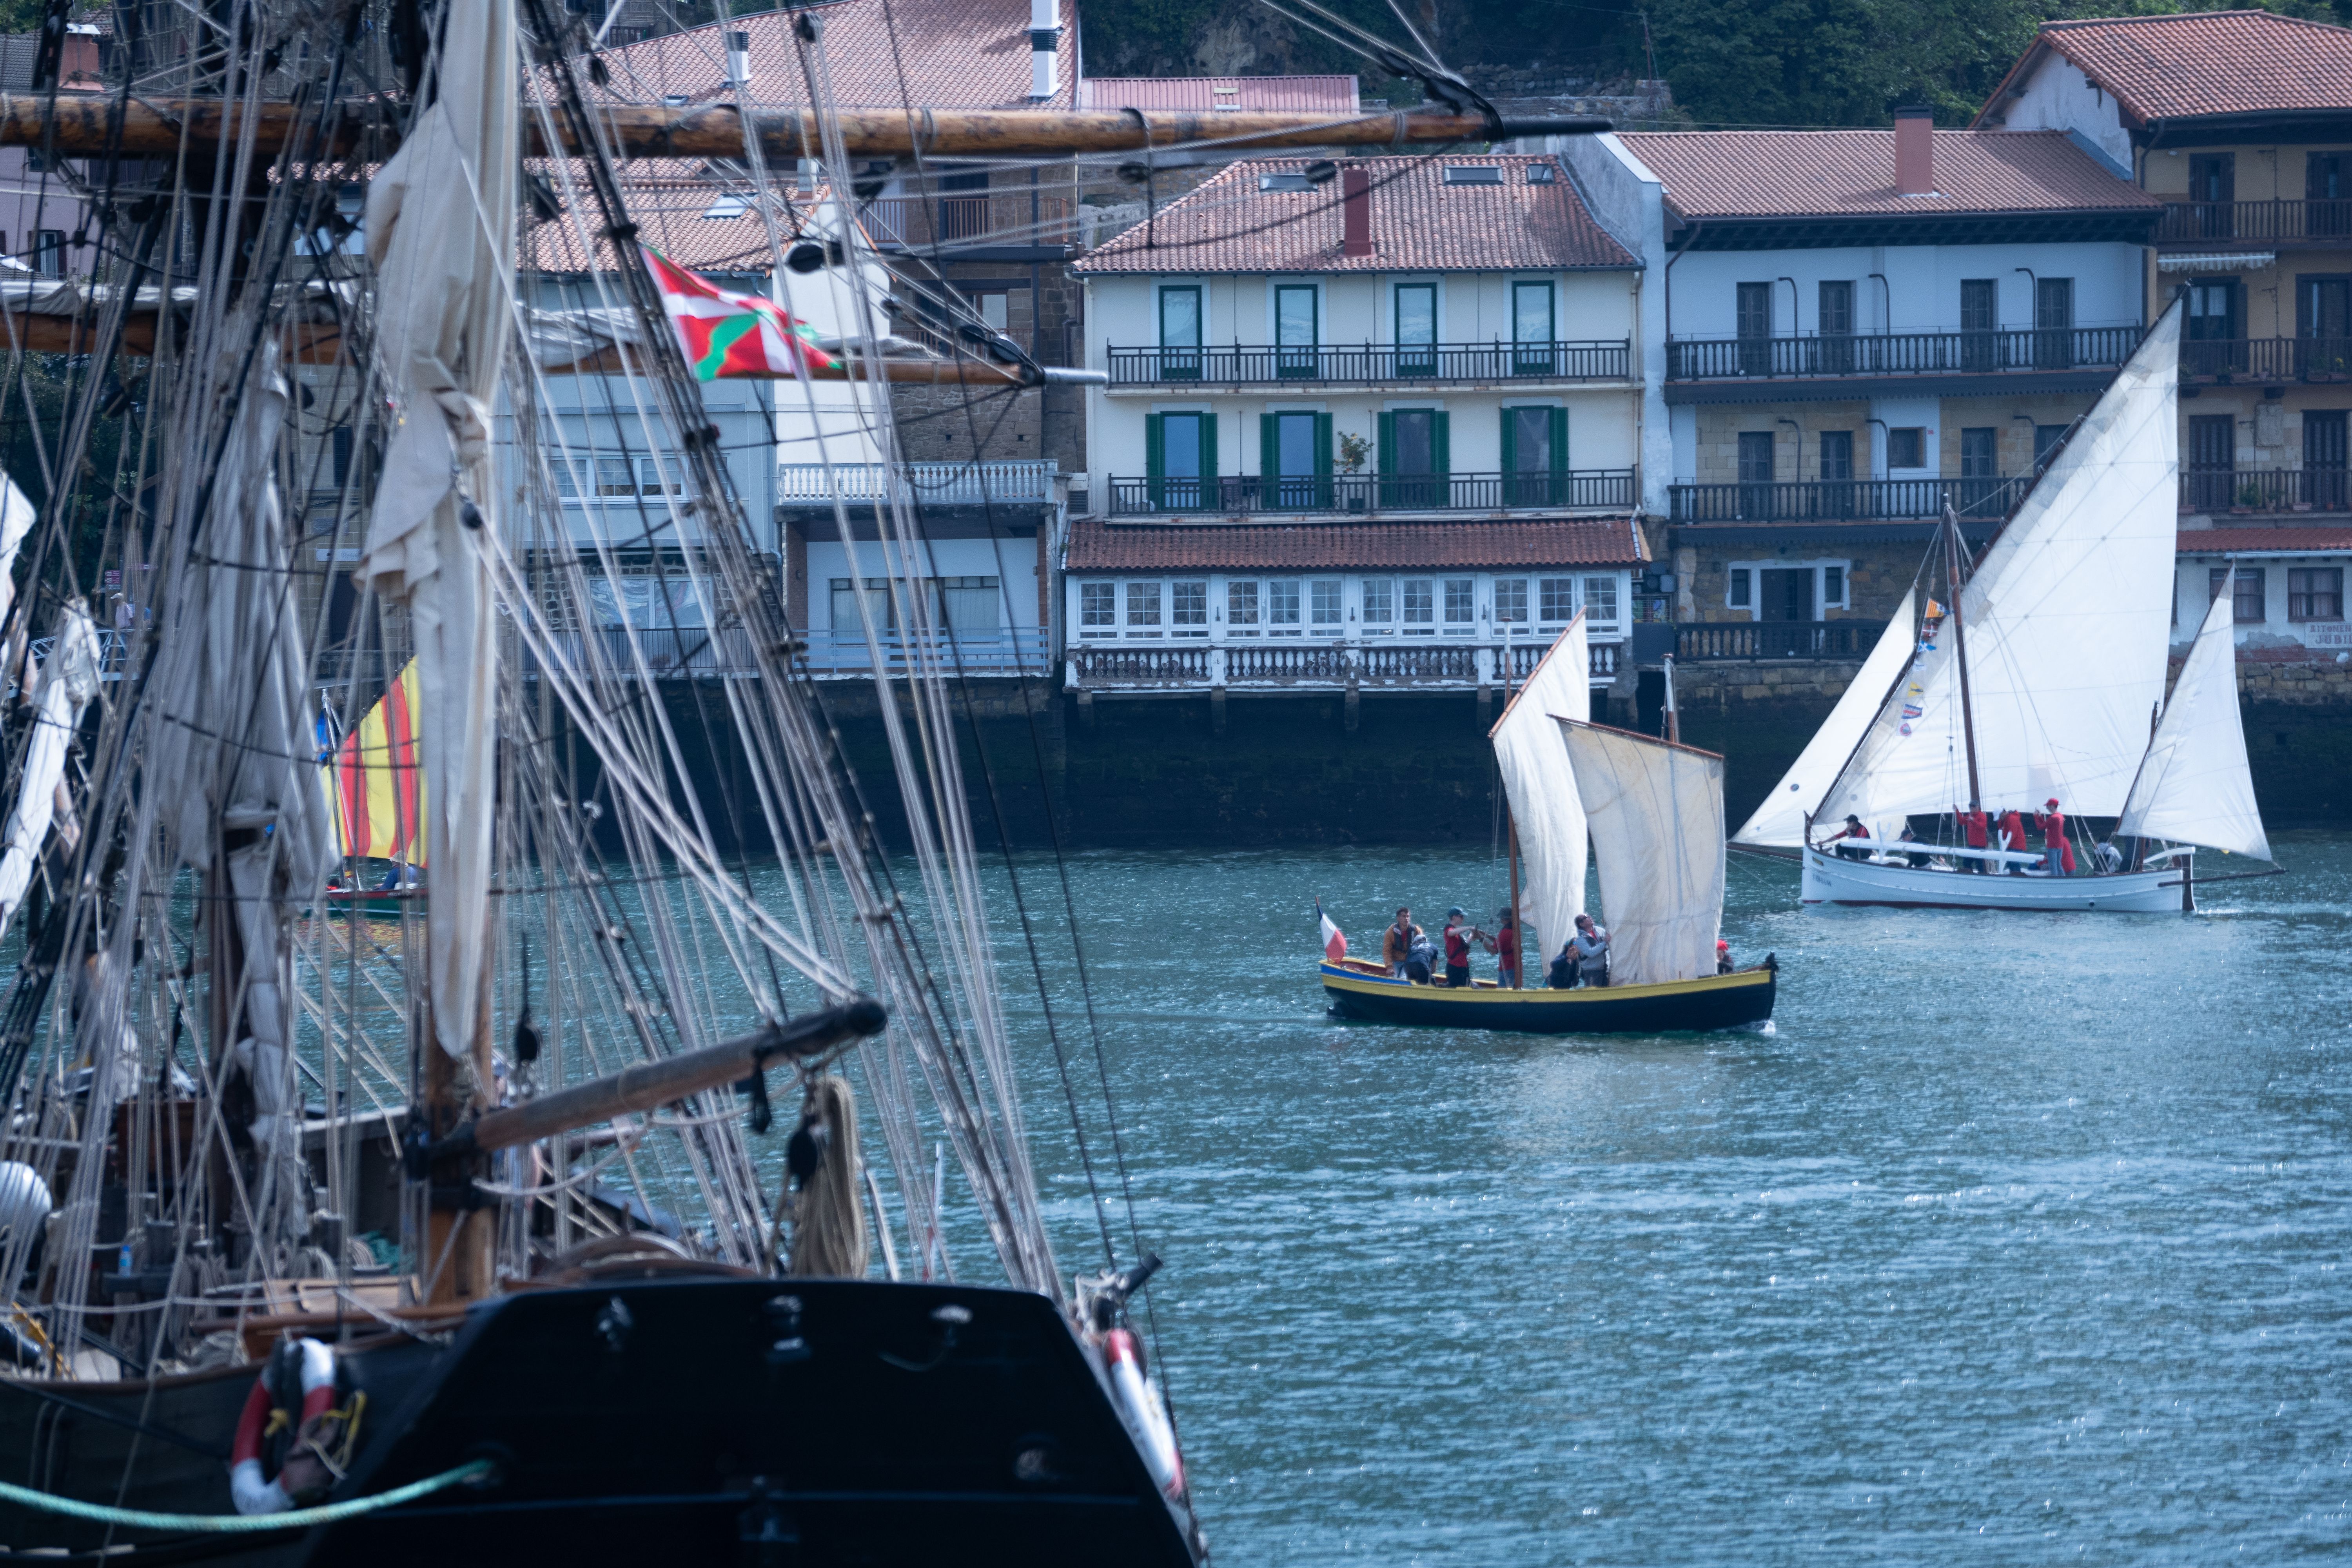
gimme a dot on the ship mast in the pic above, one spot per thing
(1960, 651)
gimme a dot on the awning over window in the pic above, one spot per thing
(2230, 261)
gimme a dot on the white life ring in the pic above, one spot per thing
(255, 1493)
(1147, 1417)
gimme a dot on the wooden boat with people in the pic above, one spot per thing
(1364, 990)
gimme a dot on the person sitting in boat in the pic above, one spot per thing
(1857, 846)
(400, 875)
(2012, 836)
(1590, 945)
(1457, 949)
(1975, 833)
(2057, 855)
(1505, 945)
(1919, 858)
(1723, 949)
(1421, 958)
(1397, 941)
(1562, 976)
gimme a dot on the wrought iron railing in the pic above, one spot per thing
(1900, 353)
(1845, 500)
(1577, 490)
(2265, 489)
(2266, 359)
(1003, 217)
(683, 652)
(1026, 482)
(2267, 223)
(1718, 641)
(1250, 364)
(1399, 661)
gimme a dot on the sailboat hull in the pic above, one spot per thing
(1828, 879)
(1711, 1002)
(667, 1421)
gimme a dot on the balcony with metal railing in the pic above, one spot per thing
(1400, 664)
(1900, 354)
(1719, 642)
(1000, 219)
(1019, 482)
(2272, 361)
(1365, 495)
(2233, 489)
(2326, 224)
(1845, 500)
(1370, 364)
(719, 653)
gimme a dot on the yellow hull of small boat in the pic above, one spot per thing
(1711, 1002)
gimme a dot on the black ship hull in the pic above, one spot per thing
(803, 1422)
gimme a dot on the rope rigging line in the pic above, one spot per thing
(481, 1472)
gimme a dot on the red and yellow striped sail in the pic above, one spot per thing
(374, 781)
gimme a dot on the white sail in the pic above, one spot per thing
(66, 685)
(440, 224)
(2067, 623)
(2195, 787)
(1656, 816)
(1781, 820)
(1541, 785)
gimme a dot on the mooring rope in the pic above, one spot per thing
(247, 1525)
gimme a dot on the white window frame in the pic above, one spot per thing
(1754, 608)
(1208, 597)
(1079, 611)
(1129, 601)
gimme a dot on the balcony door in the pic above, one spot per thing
(2214, 188)
(2053, 323)
(2322, 326)
(1297, 320)
(1786, 596)
(1296, 460)
(2216, 330)
(2212, 460)
(1755, 321)
(1534, 457)
(1180, 458)
(1838, 499)
(1980, 470)
(2325, 459)
(2327, 194)
(1533, 330)
(1415, 459)
(1980, 323)
(1755, 474)
(1180, 332)
(1836, 319)
(1416, 329)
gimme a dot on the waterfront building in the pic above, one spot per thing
(1370, 426)
(1855, 330)
(2241, 124)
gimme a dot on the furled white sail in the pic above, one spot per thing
(68, 684)
(1656, 815)
(440, 223)
(1541, 785)
(2195, 787)
(2067, 623)
(1780, 819)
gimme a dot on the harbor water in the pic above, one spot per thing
(2017, 1239)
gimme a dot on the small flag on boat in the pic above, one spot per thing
(732, 335)
(1911, 710)
(374, 781)
(1335, 940)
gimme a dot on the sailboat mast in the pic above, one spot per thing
(1960, 652)
(1516, 945)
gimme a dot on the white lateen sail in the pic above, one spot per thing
(2067, 626)
(1541, 785)
(2195, 787)
(1655, 810)
(1780, 821)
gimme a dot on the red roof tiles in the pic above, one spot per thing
(1095, 545)
(1420, 224)
(1308, 94)
(667, 198)
(2335, 540)
(2204, 63)
(955, 54)
(1838, 174)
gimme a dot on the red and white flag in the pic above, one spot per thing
(1335, 940)
(727, 334)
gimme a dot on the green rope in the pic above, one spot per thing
(245, 1524)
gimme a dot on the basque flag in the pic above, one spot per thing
(1335, 940)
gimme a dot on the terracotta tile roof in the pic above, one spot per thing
(2265, 541)
(2206, 63)
(957, 54)
(1332, 94)
(1095, 545)
(1420, 224)
(1844, 173)
(667, 198)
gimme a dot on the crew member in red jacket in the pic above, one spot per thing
(1973, 832)
(2012, 836)
(2056, 853)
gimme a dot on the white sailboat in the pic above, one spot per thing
(2038, 683)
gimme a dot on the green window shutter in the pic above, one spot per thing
(1441, 443)
(1385, 458)
(1560, 496)
(1155, 461)
(1212, 489)
(1510, 444)
(1269, 458)
(1323, 459)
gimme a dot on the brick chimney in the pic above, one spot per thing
(1356, 210)
(1914, 153)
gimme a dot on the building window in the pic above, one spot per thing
(1743, 589)
(1980, 324)
(1420, 607)
(1380, 604)
(2054, 322)
(1833, 588)
(1282, 607)
(966, 603)
(1601, 601)
(878, 605)
(1511, 601)
(2314, 594)
(1833, 322)
(2046, 439)
(995, 307)
(1416, 329)
(1474, 173)
(1554, 601)
(1324, 599)
(1906, 447)
(1980, 469)
(1755, 457)
(49, 253)
(1180, 332)
(1461, 601)
(1295, 312)
(2248, 605)
(1241, 609)
(1143, 610)
(1097, 610)
(1179, 456)
(1188, 609)
(1531, 329)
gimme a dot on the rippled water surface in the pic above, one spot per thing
(2023, 1238)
